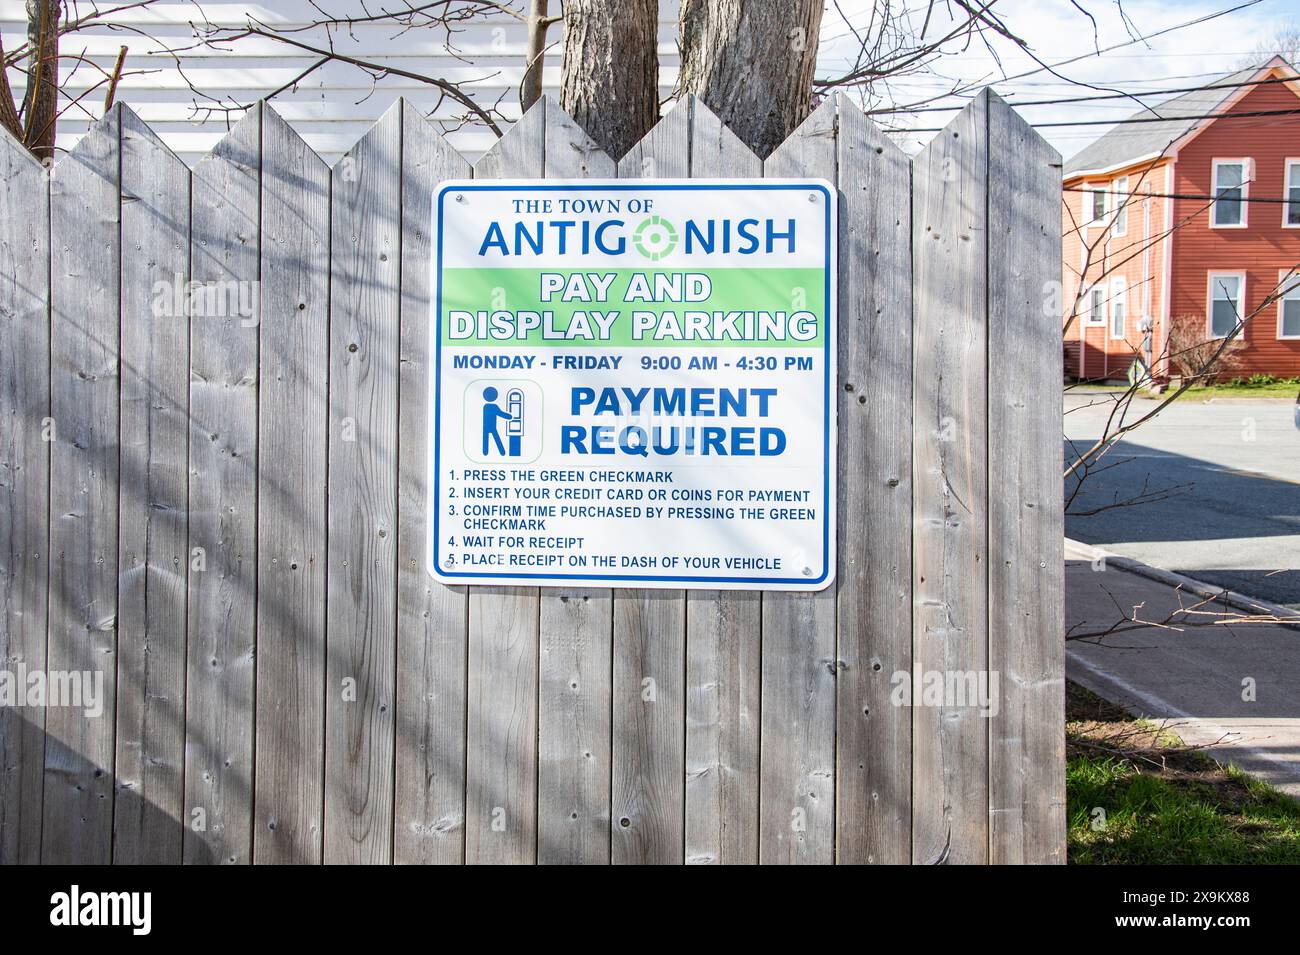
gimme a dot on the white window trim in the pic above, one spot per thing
(1209, 303)
(1118, 200)
(1118, 293)
(1288, 165)
(1281, 301)
(1089, 193)
(1105, 307)
(1245, 164)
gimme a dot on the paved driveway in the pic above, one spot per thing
(1228, 473)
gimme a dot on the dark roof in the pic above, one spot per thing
(1128, 141)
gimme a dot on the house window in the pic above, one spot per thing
(1291, 208)
(1097, 305)
(1121, 206)
(1118, 303)
(1097, 204)
(1288, 306)
(1227, 294)
(1229, 193)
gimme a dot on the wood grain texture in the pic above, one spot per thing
(797, 812)
(224, 319)
(154, 420)
(576, 641)
(574, 727)
(950, 472)
(501, 723)
(84, 332)
(648, 761)
(429, 813)
(649, 755)
(361, 663)
(873, 803)
(340, 706)
(293, 417)
(723, 682)
(1026, 524)
(723, 636)
(24, 484)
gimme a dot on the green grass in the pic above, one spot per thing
(1164, 803)
(1256, 386)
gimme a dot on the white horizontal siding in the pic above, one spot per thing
(333, 107)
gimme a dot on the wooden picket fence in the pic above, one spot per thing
(283, 680)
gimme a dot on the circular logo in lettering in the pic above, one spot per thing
(655, 238)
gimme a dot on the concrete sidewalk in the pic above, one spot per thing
(1195, 679)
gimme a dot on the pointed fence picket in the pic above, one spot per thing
(292, 485)
(221, 559)
(213, 455)
(25, 485)
(85, 386)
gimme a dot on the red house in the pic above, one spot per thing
(1190, 213)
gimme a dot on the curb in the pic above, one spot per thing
(1080, 551)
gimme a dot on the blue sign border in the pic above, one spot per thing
(827, 436)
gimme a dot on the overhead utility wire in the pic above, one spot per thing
(1101, 96)
(1131, 120)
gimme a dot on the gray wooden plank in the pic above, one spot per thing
(576, 642)
(221, 668)
(950, 541)
(873, 803)
(797, 755)
(648, 760)
(24, 484)
(293, 419)
(649, 755)
(574, 727)
(365, 203)
(429, 814)
(723, 636)
(1026, 525)
(84, 332)
(723, 682)
(501, 723)
(154, 425)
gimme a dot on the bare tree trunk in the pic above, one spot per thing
(41, 101)
(610, 82)
(8, 107)
(538, 23)
(752, 63)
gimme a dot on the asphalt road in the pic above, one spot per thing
(1223, 478)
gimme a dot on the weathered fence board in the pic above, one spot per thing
(154, 507)
(1026, 525)
(85, 255)
(429, 813)
(361, 682)
(286, 683)
(950, 512)
(648, 789)
(723, 636)
(501, 734)
(225, 256)
(293, 413)
(576, 634)
(797, 814)
(24, 485)
(873, 802)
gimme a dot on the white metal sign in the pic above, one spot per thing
(633, 384)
